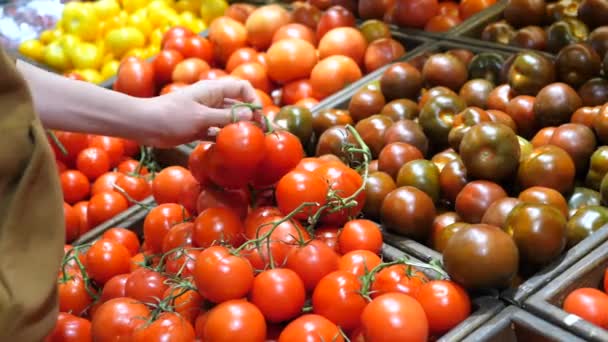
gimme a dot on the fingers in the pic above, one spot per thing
(215, 117)
(237, 89)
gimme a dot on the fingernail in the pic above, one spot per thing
(244, 114)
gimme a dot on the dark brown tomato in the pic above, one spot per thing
(498, 32)
(582, 197)
(421, 174)
(543, 195)
(578, 140)
(525, 148)
(372, 130)
(585, 115)
(562, 9)
(555, 104)
(333, 17)
(475, 198)
(593, 12)
(565, 32)
(499, 116)
(401, 80)
(530, 37)
(604, 190)
(481, 257)
(305, 14)
(409, 212)
(463, 122)
(378, 185)
(585, 222)
(446, 70)
(577, 63)
(497, 213)
(464, 55)
(442, 158)
(488, 66)
(324, 119)
(598, 39)
(521, 110)
(499, 97)
(600, 124)
(548, 166)
(441, 239)
(543, 136)
(332, 141)
(401, 109)
(598, 167)
(418, 61)
(365, 103)
(506, 68)
(530, 72)
(533, 225)
(452, 178)
(374, 9)
(440, 222)
(373, 166)
(394, 155)
(594, 92)
(407, 131)
(382, 52)
(490, 151)
(521, 13)
(476, 92)
(437, 117)
(431, 93)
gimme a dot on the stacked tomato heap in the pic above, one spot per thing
(254, 242)
(98, 175)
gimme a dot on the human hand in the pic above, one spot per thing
(191, 113)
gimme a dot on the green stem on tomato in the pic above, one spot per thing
(250, 106)
(62, 148)
(131, 199)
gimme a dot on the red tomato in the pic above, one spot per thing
(145, 285)
(360, 234)
(212, 74)
(115, 287)
(241, 145)
(359, 262)
(299, 187)
(176, 31)
(73, 295)
(171, 87)
(241, 56)
(345, 182)
(296, 91)
(104, 206)
(312, 262)
(295, 30)
(135, 77)
(131, 147)
(72, 223)
(589, 304)
(114, 147)
(179, 236)
(442, 23)
(118, 319)
(75, 186)
(138, 188)
(70, 328)
(311, 328)
(398, 278)
(60, 166)
(93, 162)
(338, 298)
(169, 326)
(333, 17)
(187, 303)
(198, 47)
(283, 152)
(217, 225)
(329, 236)
(415, 13)
(344, 41)
(256, 217)
(210, 197)
(264, 98)
(254, 73)
(164, 63)
(279, 294)
(105, 183)
(81, 209)
(227, 35)
(291, 59)
(234, 320)
(310, 164)
(72, 142)
(132, 166)
(158, 222)
(189, 70)
(283, 239)
(125, 237)
(332, 74)
(181, 262)
(168, 186)
(215, 267)
(445, 303)
(472, 7)
(106, 259)
(196, 161)
(394, 317)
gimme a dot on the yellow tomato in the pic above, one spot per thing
(188, 5)
(106, 9)
(80, 20)
(136, 52)
(133, 5)
(33, 49)
(140, 22)
(48, 36)
(159, 12)
(69, 41)
(85, 56)
(90, 75)
(56, 57)
(211, 9)
(107, 58)
(109, 69)
(156, 37)
(173, 19)
(151, 51)
(115, 22)
(119, 41)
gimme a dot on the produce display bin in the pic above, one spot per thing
(483, 308)
(547, 303)
(514, 324)
(540, 279)
(164, 157)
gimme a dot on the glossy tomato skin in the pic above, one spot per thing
(279, 293)
(75, 186)
(589, 304)
(104, 206)
(298, 187)
(135, 77)
(168, 326)
(312, 262)
(398, 278)
(70, 328)
(283, 152)
(218, 225)
(115, 287)
(235, 320)
(359, 262)
(164, 63)
(408, 211)
(475, 198)
(311, 327)
(345, 182)
(360, 234)
(145, 285)
(125, 237)
(158, 222)
(445, 303)
(394, 317)
(378, 185)
(106, 259)
(73, 295)
(118, 318)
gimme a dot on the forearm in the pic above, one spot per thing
(66, 104)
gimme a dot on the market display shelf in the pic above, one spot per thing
(514, 324)
(547, 303)
(164, 157)
(483, 307)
